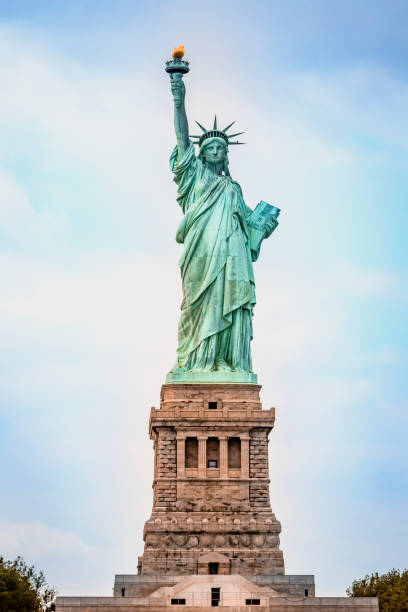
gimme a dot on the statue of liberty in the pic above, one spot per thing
(221, 237)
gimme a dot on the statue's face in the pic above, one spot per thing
(215, 151)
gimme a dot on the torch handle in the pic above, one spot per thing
(178, 88)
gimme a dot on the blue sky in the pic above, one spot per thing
(90, 286)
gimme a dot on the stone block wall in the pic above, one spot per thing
(259, 495)
(166, 452)
(258, 453)
(165, 496)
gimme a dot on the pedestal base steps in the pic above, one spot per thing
(136, 585)
(204, 592)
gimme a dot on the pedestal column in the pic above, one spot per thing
(223, 456)
(245, 456)
(181, 453)
(202, 456)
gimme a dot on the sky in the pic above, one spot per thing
(90, 287)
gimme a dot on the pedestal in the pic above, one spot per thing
(211, 486)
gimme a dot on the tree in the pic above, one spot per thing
(23, 588)
(391, 590)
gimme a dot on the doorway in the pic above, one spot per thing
(215, 596)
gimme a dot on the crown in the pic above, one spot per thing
(216, 133)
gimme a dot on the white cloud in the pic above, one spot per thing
(34, 540)
(21, 225)
(363, 98)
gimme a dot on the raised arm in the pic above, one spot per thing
(180, 118)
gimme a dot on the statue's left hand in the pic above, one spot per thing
(269, 227)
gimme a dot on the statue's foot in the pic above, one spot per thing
(182, 368)
(222, 365)
(178, 368)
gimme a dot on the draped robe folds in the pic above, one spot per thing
(215, 326)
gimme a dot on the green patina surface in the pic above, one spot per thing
(221, 238)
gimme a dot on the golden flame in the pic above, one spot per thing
(178, 52)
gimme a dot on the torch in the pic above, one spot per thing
(176, 65)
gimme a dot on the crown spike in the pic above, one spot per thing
(228, 126)
(200, 126)
(216, 133)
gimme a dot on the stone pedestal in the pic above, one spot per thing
(211, 483)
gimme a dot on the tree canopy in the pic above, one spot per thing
(23, 588)
(391, 590)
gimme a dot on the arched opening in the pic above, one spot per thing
(234, 453)
(191, 453)
(214, 563)
(213, 452)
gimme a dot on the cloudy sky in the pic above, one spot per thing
(90, 286)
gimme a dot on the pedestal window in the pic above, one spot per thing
(213, 452)
(234, 453)
(191, 453)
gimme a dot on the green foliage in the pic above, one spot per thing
(391, 590)
(23, 589)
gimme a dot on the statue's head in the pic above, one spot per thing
(214, 144)
(213, 150)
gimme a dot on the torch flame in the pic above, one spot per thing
(178, 52)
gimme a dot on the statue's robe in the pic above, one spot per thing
(215, 327)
